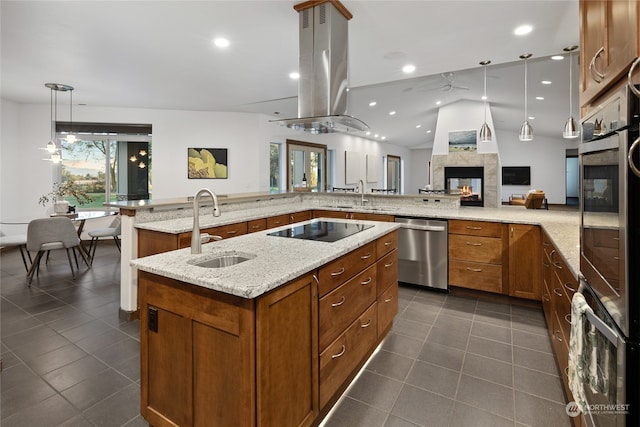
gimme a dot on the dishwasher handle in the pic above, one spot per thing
(424, 227)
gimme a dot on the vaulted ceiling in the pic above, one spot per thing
(160, 55)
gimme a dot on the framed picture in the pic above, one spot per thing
(207, 163)
(462, 141)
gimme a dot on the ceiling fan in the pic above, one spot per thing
(447, 87)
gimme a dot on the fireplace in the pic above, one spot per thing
(468, 181)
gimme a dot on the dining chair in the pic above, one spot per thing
(114, 230)
(47, 234)
(19, 240)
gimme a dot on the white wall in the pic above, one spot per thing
(462, 115)
(546, 156)
(24, 175)
(419, 166)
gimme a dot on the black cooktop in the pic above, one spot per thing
(322, 231)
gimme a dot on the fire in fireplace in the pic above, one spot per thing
(468, 181)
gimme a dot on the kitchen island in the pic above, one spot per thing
(272, 340)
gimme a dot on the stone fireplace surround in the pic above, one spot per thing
(489, 161)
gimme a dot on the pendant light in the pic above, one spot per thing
(526, 131)
(570, 127)
(51, 145)
(485, 130)
(71, 137)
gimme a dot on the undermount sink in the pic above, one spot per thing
(221, 261)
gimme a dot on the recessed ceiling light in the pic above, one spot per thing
(557, 57)
(409, 68)
(546, 82)
(438, 102)
(522, 30)
(540, 98)
(368, 133)
(294, 76)
(373, 104)
(531, 118)
(418, 126)
(429, 131)
(376, 135)
(392, 113)
(221, 42)
(383, 137)
(483, 97)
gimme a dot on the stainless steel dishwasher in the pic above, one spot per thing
(422, 252)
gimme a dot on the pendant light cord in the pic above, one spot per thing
(525, 90)
(570, 83)
(485, 94)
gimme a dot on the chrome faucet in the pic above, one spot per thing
(362, 190)
(196, 243)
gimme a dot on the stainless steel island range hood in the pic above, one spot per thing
(322, 89)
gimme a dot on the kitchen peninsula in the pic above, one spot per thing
(271, 340)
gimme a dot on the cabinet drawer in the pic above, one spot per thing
(387, 269)
(474, 275)
(474, 248)
(300, 216)
(475, 228)
(562, 305)
(339, 271)
(277, 221)
(339, 360)
(256, 225)
(387, 243)
(341, 306)
(387, 307)
(547, 307)
(224, 231)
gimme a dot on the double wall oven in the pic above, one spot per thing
(610, 259)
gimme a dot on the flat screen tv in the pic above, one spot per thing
(516, 175)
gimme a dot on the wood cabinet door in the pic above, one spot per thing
(277, 221)
(524, 261)
(256, 225)
(300, 216)
(155, 242)
(287, 349)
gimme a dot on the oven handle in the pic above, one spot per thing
(602, 327)
(633, 167)
(632, 87)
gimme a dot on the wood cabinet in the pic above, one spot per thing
(558, 286)
(524, 263)
(478, 254)
(609, 42)
(155, 242)
(365, 216)
(282, 359)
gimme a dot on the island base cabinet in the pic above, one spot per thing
(341, 358)
(287, 349)
(196, 354)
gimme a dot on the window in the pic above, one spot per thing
(393, 172)
(275, 167)
(306, 159)
(102, 163)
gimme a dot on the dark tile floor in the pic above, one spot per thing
(68, 360)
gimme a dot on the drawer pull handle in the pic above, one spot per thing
(546, 264)
(366, 325)
(557, 291)
(367, 256)
(617, 258)
(388, 243)
(566, 371)
(555, 335)
(567, 317)
(546, 298)
(546, 244)
(387, 300)
(557, 265)
(366, 282)
(569, 288)
(476, 270)
(388, 265)
(255, 227)
(473, 244)
(276, 222)
(339, 303)
(337, 273)
(342, 350)
(232, 231)
(473, 228)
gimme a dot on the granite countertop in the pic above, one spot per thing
(563, 227)
(278, 260)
